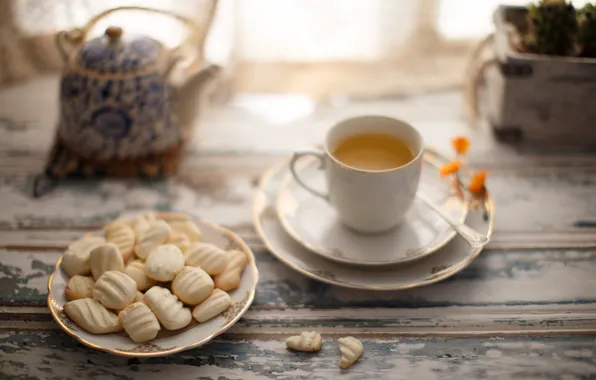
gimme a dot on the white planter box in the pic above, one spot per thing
(537, 98)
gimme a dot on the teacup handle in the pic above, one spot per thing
(294, 161)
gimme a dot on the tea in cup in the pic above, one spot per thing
(372, 168)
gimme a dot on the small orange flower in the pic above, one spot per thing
(476, 184)
(450, 168)
(461, 145)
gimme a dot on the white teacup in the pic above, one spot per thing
(368, 201)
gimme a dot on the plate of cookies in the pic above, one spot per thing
(152, 284)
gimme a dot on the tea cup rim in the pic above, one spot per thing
(416, 158)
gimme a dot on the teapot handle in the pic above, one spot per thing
(67, 40)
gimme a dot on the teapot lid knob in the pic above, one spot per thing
(113, 33)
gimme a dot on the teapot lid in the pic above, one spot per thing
(112, 54)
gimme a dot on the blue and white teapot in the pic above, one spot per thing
(118, 97)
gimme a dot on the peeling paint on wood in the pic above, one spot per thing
(522, 220)
(44, 354)
(495, 278)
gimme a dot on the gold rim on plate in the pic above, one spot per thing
(434, 160)
(231, 235)
(296, 235)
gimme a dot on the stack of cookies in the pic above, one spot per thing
(148, 272)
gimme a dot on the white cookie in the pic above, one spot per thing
(307, 341)
(188, 228)
(172, 216)
(130, 222)
(229, 279)
(136, 270)
(164, 262)
(76, 257)
(208, 257)
(139, 322)
(124, 237)
(167, 308)
(79, 287)
(192, 285)
(216, 304)
(92, 316)
(115, 290)
(180, 240)
(139, 297)
(351, 349)
(139, 226)
(157, 233)
(105, 257)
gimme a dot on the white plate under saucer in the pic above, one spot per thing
(447, 261)
(313, 222)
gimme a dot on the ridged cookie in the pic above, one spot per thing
(351, 349)
(79, 287)
(192, 285)
(307, 341)
(136, 270)
(208, 257)
(76, 257)
(164, 262)
(167, 308)
(172, 216)
(139, 322)
(124, 237)
(216, 304)
(105, 257)
(92, 316)
(115, 290)
(188, 228)
(180, 240)
(229, 279)
(157, 233)
(139, 297)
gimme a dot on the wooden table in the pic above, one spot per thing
(525, 309)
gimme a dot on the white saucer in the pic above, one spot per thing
(453, 257)
(313, 222)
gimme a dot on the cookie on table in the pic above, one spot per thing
(307, 341)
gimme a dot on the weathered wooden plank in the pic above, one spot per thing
(53, 354)
(243, 124)
(495, 278)
(223, 193)
(471, 321)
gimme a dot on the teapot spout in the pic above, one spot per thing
(189, 92)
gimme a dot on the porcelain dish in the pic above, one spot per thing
(445, 262)
(166, 342)
(313, 222)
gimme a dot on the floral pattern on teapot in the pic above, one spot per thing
(115, 99)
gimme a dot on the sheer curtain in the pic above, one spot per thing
(324, 48)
